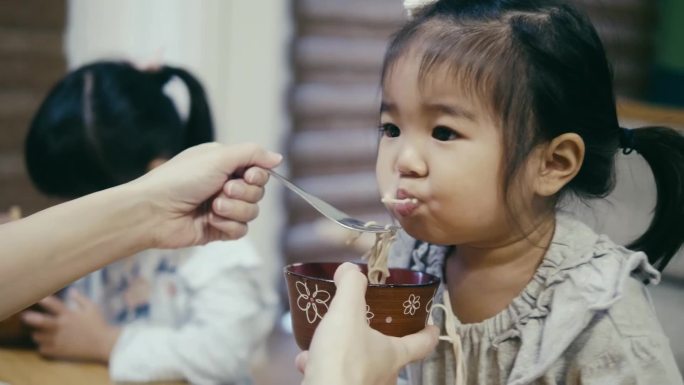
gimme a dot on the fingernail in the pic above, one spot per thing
(222, 206)
(235, 189)
(275, 156)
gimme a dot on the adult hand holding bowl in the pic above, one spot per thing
(399, 307)
(345, 350)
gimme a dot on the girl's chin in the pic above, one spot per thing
(419, 232)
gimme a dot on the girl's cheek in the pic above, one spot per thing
(383, 175)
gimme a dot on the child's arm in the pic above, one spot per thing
(231, 314)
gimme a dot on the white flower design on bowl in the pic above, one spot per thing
(412, 304)
(369, 314)
(309, 302)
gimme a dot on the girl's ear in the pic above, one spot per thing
(561, 160)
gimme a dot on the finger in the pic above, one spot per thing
(227, 228)
(53, 304)
(39, 320)
(235, 210)
(47, 349)
(246, 155)
(301, 361)
(256, 176)
(81, 301)
(417, 346)
(43, 339)
(351, 288)
(241, 190)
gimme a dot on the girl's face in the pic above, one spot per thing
(440, 147)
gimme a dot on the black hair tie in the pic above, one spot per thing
(627, 141)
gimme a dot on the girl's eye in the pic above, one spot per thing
(444, 134)
(390, 130)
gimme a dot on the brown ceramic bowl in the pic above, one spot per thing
(397, 308)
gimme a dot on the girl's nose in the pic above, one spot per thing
(410, 162)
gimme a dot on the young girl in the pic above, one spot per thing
(196, 313)
(492, 111)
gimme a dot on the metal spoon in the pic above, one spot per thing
(341, 218)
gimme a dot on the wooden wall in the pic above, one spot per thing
(31, 61)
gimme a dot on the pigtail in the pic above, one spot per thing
(663, 149)
(199, 127)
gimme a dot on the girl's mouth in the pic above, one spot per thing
(404, 204)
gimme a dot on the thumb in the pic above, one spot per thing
(417, 346)
(238, 156)
(301, 360)
(350, 290)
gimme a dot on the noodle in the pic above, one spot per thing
(398, 201)
(377, 256)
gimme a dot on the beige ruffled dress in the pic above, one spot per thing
(585, 318)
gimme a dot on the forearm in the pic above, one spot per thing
(49, 249)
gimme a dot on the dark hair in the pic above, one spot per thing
(540, 67)
(105, 122)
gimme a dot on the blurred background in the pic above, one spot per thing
(301, 77)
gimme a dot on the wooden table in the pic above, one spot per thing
(26, 367)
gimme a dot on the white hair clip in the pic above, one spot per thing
(412, 6)
(179, 94)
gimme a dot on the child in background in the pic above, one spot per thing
(196, 313)
(492, 112)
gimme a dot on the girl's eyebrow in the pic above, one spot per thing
(387, 107)
(451, 109)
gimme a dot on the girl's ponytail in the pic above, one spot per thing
(199, 127)
(663, 149)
